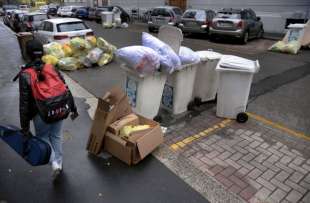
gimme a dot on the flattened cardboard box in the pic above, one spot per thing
(113, 106)
(138, 146)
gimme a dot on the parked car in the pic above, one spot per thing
(15, 19)
(92, 13)
(7, 8)
(7, 17)
(163, 16)
(60, 10)
(196, 21)
(52, 11)
(61, 30)
(81, 12)
(31, 21)
(43, 9)
(242, 24)
(24, 7)
(68, 11)
(125, 17)
(146, 16)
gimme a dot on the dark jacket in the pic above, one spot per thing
(27, 106)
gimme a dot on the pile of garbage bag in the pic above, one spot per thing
(79, 53)
(155, 55)
(289, 48)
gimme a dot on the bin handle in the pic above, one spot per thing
(257, 66)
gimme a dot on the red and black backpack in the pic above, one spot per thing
(51, 94)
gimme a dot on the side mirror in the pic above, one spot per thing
(258, 18)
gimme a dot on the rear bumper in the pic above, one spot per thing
(202, 30)
(157, 26)
(228, 33)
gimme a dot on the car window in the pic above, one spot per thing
(189, 14)
(177, 11)
(72, 26)
(41, 26)
(39, 17)
(166, 13)
(252, 14)
(229, 15)
(201, 15)
(48, 27)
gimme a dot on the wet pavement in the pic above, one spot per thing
(86, 178)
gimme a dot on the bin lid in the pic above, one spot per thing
(236, 63)
(297, 26)
(208, 55)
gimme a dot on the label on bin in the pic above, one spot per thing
(167, 99)
(131, 90)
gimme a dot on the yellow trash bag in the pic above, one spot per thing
(278, 46)
(68, 64)
(292, 47)
(78, 43)
(67, 50)
(50, 59)
(127, 130)
(54, 49)
(105, 59)
(105, 46)
(92, 40)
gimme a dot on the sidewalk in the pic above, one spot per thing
(255, 162)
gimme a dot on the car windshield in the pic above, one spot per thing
(71, 26)
(177, 11)
(39, 17)
(229, 15)
(161, 12)
(195, 14)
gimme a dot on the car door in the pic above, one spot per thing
(39, 32)
(251, 24)
(48, 32)
(257, 23)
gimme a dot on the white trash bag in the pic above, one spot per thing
(188, 56)
(94, 55)
(169, 60)
(144, 60)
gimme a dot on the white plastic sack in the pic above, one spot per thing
(142, 59)
(188, 56)
(169, 60)
(94, 55)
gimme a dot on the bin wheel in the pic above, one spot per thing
(242, 117)
(158, 119)
(191, 106)
(197, 101)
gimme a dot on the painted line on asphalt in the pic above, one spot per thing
(279, 126)
(224, 123)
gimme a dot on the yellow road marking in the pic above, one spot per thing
(279, 126)
(201, 134)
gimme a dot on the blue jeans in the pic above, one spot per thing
(52, 134)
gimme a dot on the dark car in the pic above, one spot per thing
(81, 12)
(196, 21)
(7, 17)
(125, 17)
(52, 11)
(31, 21)
(15, 20)
(242, 24)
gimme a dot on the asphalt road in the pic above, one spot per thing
(277, 70)
(86, 178)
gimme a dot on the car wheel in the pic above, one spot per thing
(245, 38)
(260, 34)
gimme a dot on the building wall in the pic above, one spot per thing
(273, 12)
(77, 2)
(142, 4)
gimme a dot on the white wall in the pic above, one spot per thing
(142, 4)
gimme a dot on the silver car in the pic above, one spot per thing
(196, 21)
(242, 24)
(163, 16)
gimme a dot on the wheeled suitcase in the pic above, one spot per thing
(34, 150)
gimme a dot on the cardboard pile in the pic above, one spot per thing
(112, 114)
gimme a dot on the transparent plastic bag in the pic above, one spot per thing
(94, 55)
(169, 60)
(188, 56)
(54, 49)
(68, 64)
(278, 46)
(105, 46)
(105, 59)
(80, 44)
(144, 60)
(92, 41)
(292, 47)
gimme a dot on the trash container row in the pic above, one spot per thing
(230, 77)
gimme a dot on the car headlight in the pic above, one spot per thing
(171, 23)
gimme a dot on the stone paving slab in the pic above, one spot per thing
(251, 162)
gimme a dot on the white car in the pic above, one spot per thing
(61, 30)
(68, 11)
(43, 9)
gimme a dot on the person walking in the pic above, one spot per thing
(45, 99)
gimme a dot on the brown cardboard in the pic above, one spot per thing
(139, 145)
(118, 148)
(111, 107)
(131, 119)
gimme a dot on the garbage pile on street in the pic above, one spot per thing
(296, 37)
(79, 53)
